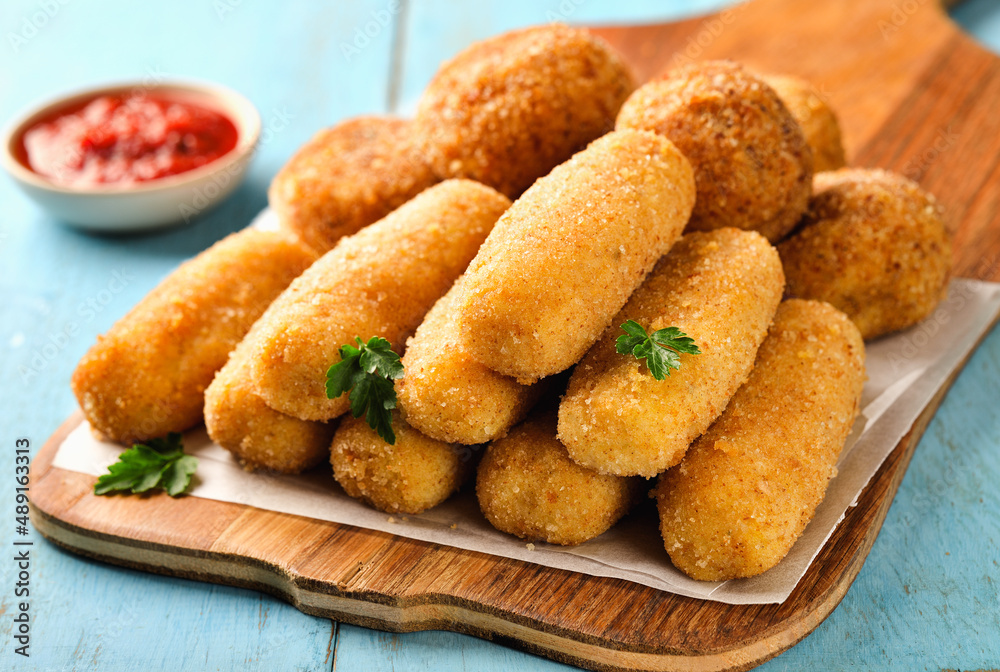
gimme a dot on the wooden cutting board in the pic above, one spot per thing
(913, 94)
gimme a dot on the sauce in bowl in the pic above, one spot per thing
(126, 139)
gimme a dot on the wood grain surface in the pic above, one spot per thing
(907, 86)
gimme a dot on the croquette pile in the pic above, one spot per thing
(538, 201)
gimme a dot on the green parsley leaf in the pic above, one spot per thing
(367, 372)
(158, 463)
(661, 351)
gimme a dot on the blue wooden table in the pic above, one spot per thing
(926, 599)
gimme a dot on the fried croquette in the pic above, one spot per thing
(147, 376)
(874, 245)
(816, 119)
(257, 435)
(410, 476)
(527, 486)
(448, 395)
(751, 161)
(748, 487)
(567, 255)
(347, 177)
(721, 288)
(379, 282)
(509, 109)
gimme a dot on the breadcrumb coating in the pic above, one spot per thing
(258, 436)
(567, 255)
(874, 245)
(527, 486)
(448, 395)
(509, 109)
(147, 376)
(751, 161)
(816, 119)
(379, 282)
(721, 288)
(347, 177)
(410, 476)
(748, 487)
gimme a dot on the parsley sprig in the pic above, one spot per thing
(662, 351)
(159, 463)
(368, 371)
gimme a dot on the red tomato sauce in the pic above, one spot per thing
(126, 140)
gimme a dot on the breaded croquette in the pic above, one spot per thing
(748, 487)
(379, 282)
(448, 395)
(410, 476)
(874, 245)
(509, 109)
(751, 162)
(567, 255)
(347, 177)
(527, 486)
(257, 435)
(147, 376)
(816, 119)
(721, 288)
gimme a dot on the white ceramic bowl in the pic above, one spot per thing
(167, 200)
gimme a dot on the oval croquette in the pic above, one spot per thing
(747, 488)
(721, 288)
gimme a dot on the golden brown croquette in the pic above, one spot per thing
(347, 177)
(721, 288)
(448, 395)
(529, 487)
(748, 487)
(509, 109)
(379, 282)
(874, 245)
(816, 119)
(410, 476)
(147, 376)
(567, 255)
(257, 435)
(751, 162)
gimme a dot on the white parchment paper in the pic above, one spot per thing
(905, 371)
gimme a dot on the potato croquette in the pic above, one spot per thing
(347, 177)
(379, 282)
(747, 488)
(509, 109)
(874, 245)
(567, 255)
(527, 486)
(816, 119)
(257, 435)
(721, 288)
(410, 476)
(448, 395)
(751, 162)
(147, 376)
